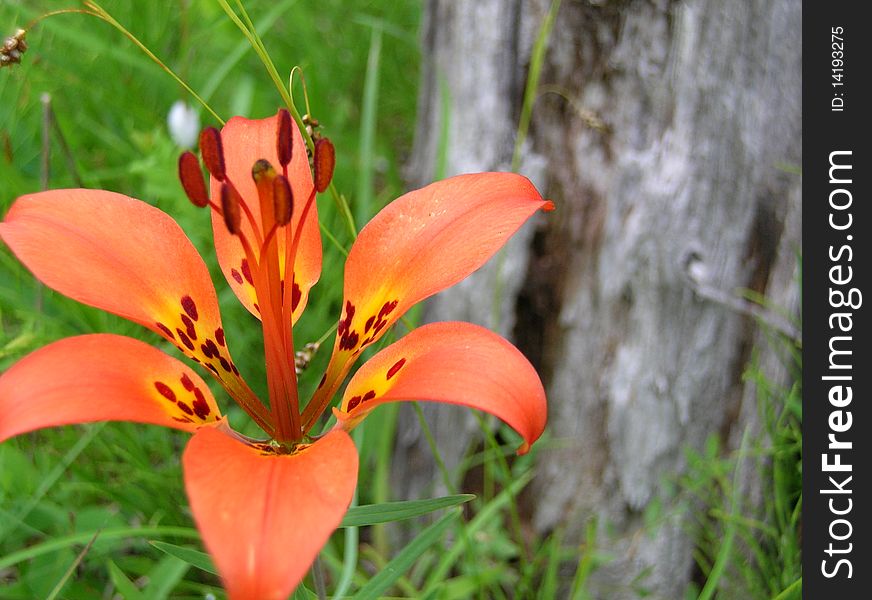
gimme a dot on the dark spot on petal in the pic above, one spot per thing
(219, 336)
(190, 307)
(207, 352)
(352, 404)
(187, 383)
(397, 366)
(296, 296)
(349, 340)
(368, 325)
(165, 390)
(185, 408)
(235, 370)
(387, 309)
(212, 368)
(189, 327)
(185, 339)
(182, 419)
(201, 409)
(256, 307)
(236, 275)
(166, 330)
(368, 396)
(323, 381)
(225, 364)
(246, 271)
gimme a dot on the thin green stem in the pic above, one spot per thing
(368, 122)
(71, 569)
(102, 14)
(318, 578)
(431, 441)
(345, 209)
(530, 91)
(507, 476)
(254, 39)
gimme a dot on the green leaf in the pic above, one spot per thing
(53, 545)
(303, 593)
(195, 558)
(404, 560)
(370, 514)
(124, 586)
(165, 576)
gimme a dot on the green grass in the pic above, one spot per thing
(93, 511)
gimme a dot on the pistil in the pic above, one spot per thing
(285, 402)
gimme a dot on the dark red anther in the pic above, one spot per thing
(212, 151)
(192, 180)
(230, 208)
(325, 160)
(283, 200)
(284, 138)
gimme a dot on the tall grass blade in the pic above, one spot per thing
(369, 117)
(404, 560)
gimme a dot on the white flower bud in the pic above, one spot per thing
(184, 124)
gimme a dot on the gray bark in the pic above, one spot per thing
(665, 133)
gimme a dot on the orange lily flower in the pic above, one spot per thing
(265, 508)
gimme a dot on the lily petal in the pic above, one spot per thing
(246, 141)
(126, 257)
(263, 516)
(418, 245)
(456, 363)
(102, 377)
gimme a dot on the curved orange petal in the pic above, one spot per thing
(245, 141)
(421, 243)
(126, 257)
(102, 377)
(456, 363)
(264, 517)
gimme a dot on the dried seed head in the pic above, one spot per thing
(283, 198)
(212, 151)
(13, 47)
(192, 179)
(325, 161)
(303, 357)
(284, 138)
(230, 208)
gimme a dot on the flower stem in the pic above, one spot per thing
(318, 578)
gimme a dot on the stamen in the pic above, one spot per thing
(283, 200)
(284, 138)
(230, 201)
(212, 151)
(264, 176)
(325, 161)
(192, 180)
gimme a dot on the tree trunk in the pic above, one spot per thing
(668, 134)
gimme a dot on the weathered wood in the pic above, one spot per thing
(668, 135)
